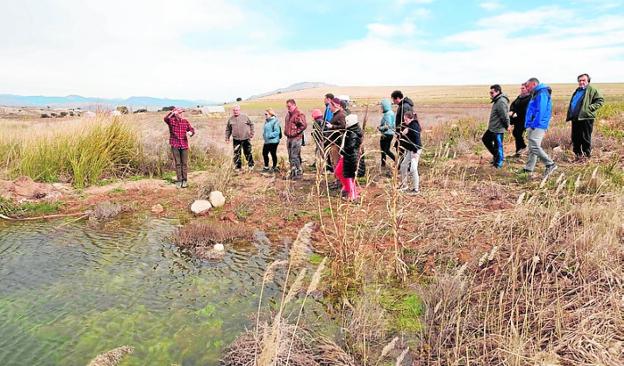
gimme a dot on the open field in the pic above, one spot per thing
(484, 267)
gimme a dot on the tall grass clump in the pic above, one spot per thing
(81, 155)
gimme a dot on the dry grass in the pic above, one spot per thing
(199, 237)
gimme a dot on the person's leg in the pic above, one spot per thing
(298, 162)
(273, 151)
(576, 138)
(532, 157)
(382, 147)
(338, 171)
(291, 155)
(500, 153)
(248, 153)
(177, 160)
(518, 131)
(265, 155)
(184, 156)
(415, 158)
(405, 163)
(237, 153)
(489, 140)
(586, 137)
(538, 136)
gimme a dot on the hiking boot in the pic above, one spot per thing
(265, 169)
(184, 184)
(549, 170)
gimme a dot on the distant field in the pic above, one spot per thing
(468, 94)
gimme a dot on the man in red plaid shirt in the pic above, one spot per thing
(178, 128)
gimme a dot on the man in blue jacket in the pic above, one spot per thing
(536, 122)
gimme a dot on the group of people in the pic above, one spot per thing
(531, 111)
(337, 135)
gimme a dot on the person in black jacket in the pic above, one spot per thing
(411, 147)
(517, 114)
(404, 104)
(349, 155)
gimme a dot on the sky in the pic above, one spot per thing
(219, 50)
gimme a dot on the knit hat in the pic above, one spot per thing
(316, 113)
(336, 101)
(270, 111)
(351, 120)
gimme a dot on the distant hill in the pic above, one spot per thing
(74, 101)
(295, 87)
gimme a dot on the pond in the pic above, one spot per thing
(69, 291)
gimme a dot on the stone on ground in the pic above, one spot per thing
(216, 198)
(200, 207)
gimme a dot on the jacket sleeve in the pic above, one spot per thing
(417, 141)
(503, 111)
(228, 129)
(167, 118)
(251, 127)
(274, 131)
(189, 128)
(383, 125)
(538, 113)
(569, 113)
(596, 102)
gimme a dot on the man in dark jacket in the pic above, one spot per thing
(517, 113)
(585, 101)
(538, 114)
(294, 128)
(499, 123)
(404, 105)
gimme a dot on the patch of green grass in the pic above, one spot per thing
(118, 190)
(316, 259)
(29, 208)
(405, 308)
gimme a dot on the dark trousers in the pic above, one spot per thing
(494, 143)
(270, 149)
(384, 143)
(245, 145)
(518, 132)
(180, 158)
(581, 137)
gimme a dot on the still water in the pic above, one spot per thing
(69, 291)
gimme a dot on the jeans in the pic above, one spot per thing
(494, 143)
(294, 155)
(535, 137)
(270, 149)
(245, 145)
(384, 143)
(409, 164)
(180, 158)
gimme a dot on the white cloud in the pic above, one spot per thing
(89, 50)
(491, 5)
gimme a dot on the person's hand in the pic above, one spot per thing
(227, 140)
(192, 134)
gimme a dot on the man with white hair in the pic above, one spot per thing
(585, 101)
(241, 129)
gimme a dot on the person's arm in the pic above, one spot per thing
(504, 113)
(538, 113)
(168, 117)
(569, 113)
(596, 102)
(228, 130)
(251, 128)
(302, 125)
(190, 128)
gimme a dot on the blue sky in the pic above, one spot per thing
(221, 49)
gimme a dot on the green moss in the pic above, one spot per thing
(405, 309)
(316, 259)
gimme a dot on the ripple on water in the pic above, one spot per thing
(71, 291)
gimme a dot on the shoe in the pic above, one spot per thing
(178, 184)
(529, 173)
(184, 184)
(251, 168)
(266, 169)
(412, 192)
(518, 153)
(549, 170)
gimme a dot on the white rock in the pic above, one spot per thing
(216, 198)
(200, 206)
(557, 150)
(158, 208)
(218, 247)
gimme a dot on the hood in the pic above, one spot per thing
(351, 120)
(407, 100)
(501, 95)
(386, 105)
(271, 119)
(541, 87)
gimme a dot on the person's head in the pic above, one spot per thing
(269, 113)
(396, 96)
(523, 89)
(236, 110)
(531, 84)
(178, 111)
(495, 91)
(583, 80)
(335, 105)
(291, 105)
(409, 116)
(317, 114)
(328, 98)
